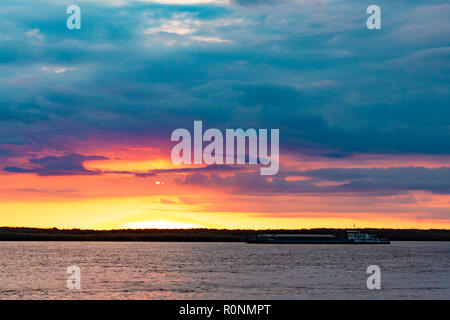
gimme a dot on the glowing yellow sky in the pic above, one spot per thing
(121, 200)
(113, 201)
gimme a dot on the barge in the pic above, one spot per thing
(352, 237)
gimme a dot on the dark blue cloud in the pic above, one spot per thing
(376, 181)
(313, 71)
(71, 164)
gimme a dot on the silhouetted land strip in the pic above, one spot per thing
(199, 235)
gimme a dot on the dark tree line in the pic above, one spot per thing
(200, 235)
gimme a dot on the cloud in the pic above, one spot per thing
(185, 26)
(208, 39)
(279, 65)
(436, 180)
(35, 34)
(173, 26)
(208, 168)
(429, 27)
(58, 70)
(167, 201)
(71, 164)
(376, 181)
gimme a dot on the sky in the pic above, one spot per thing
(86, 115)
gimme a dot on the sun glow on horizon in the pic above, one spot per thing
(160, 224)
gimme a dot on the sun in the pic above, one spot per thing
(159, 224)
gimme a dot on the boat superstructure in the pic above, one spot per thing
(355, 236)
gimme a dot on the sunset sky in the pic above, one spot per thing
(86, 115)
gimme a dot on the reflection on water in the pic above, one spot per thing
(37, 270)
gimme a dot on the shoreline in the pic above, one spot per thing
(200, 235)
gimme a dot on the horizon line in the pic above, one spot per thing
(218, 229)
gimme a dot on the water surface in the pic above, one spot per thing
(163, 270)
